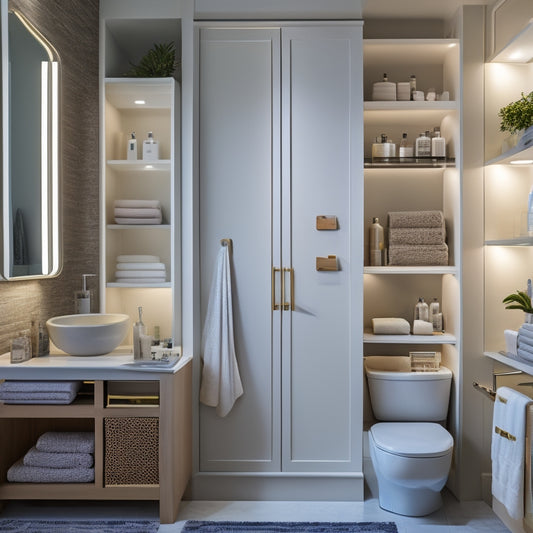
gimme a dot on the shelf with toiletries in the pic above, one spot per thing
(440, 338)
(140, 202)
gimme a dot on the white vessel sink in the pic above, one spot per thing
(89, 334)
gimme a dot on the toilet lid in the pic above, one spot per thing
(412, 439)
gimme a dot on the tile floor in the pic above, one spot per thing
(454, 517)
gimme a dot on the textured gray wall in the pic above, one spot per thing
(72, 27)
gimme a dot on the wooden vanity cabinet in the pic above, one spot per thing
(21, 425)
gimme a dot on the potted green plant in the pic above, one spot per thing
(517, 116)
(520, 300)
(158, 62)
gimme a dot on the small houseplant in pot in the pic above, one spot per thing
(517, 116)
(158, 62)
(520, 300)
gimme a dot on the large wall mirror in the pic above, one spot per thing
(30, 150)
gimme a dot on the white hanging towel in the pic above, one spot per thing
(221, 382)
(508, 449)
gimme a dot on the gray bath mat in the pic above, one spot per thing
(197, 526)
(79, 526)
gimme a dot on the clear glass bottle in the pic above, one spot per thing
(423, 145)
(422, 310)
(406, 148)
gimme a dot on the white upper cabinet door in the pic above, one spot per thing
(239, 129)
(322, 103)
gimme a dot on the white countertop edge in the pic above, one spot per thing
(116, 365)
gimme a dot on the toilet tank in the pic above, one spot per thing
(400, 395)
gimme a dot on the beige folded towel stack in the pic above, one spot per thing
(140, 269)
(417, 238)
(138, 212)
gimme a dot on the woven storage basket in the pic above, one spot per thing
(131, 451)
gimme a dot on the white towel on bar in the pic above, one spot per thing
(221, 382)
(508, 454)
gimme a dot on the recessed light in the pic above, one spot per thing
(140, 102)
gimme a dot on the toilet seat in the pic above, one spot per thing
(412, 439)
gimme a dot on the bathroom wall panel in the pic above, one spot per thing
(72, 27)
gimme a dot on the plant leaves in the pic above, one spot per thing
(158, 62)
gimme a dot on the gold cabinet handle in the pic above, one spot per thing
(275, 306)
(288, 305)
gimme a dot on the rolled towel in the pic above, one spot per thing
(154, 204)
(421, 327)
(40, 386)
(524, 354)
(138, 259)
(141, 212)
(418, 255)
(526, 329)
(34, 457)
(20, 473)
(416, 219)
(525, 342)
(66, 441)
(124, 274)
(138, 221)
(417, 236)
(390, 326)
(141, 266)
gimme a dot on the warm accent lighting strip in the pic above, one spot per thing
(519, 49)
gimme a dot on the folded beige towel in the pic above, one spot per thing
(417, 236)
(421, 327)
(416, 219)
(390, 326)
(418, 255)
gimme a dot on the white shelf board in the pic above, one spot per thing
(122, 165)
(514, 154)
(417, 270)
(509, 360)
(407, 105)
(121, 93)
(117, 284)
(138, 226)
(407, 51)
(516, 241)
(444, 338)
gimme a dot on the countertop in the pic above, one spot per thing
(118, 364)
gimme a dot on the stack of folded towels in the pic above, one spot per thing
(417, 238)
(57, 457)
(39, 392)
(138, 212)
(525, 342)
(140, 269)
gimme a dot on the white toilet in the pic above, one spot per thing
(411, 452)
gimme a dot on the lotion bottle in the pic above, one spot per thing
(376, 243)
(422, 310)
(139, 329)
(150, 148)
(423, 145)
(438, 145)
(131, 150)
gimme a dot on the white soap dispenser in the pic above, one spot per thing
(82, 299)
(150, 148)
(131, 150)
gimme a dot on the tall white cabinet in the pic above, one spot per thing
(280, 156)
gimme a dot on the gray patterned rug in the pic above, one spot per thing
(196, 526)
(78, 526)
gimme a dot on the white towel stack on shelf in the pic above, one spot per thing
(39, 392)
(525, 342)
(141, 269)
(138, 212)
(57, 457)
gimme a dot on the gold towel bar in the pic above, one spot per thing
(485, 390)
(504, 434)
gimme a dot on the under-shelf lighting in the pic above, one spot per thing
(139, 102)
(519, 49)
(522, 162)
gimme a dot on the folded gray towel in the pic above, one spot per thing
(417, 236)
(58, 460)
(416, 219)
(419, 255)
(62, 398)
(20, 473)
(66, 441)
(40, 386)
